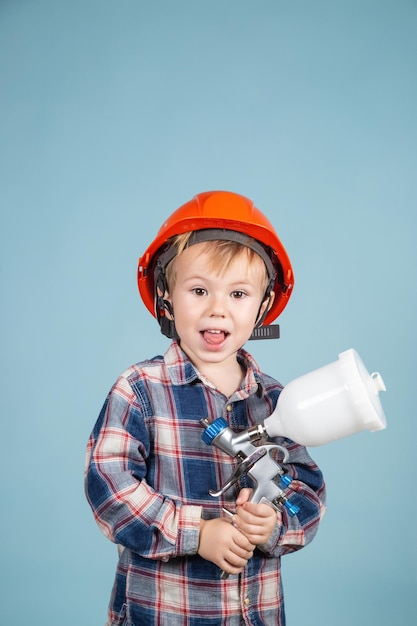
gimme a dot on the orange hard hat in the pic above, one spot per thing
(224, 213)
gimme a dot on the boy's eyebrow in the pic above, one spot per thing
(241, 282)
(195, 277)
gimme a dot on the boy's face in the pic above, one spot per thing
(214, 312)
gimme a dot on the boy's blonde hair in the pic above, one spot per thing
(222, 253)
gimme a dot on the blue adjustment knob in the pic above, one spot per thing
(213, 429)
(291, 508)
(286, 480)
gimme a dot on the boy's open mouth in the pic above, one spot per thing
(215, 337)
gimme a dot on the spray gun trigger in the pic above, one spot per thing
(243, 468)
(247, 464)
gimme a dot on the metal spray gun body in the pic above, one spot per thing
(271, 482)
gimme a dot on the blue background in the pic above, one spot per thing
(113, 113)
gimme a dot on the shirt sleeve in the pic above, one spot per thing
(308, 492)
(126, 508)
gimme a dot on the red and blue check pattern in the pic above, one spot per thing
(148, 474)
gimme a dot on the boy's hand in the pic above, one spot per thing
(255, 521)
(222, 544)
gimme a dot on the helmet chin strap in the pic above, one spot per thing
(167, 324)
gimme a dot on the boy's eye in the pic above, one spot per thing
(199, 291)
(238, 294)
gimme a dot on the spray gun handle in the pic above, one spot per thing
(215, 431)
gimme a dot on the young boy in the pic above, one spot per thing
(215, 271)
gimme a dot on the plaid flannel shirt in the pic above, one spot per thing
(148, 475)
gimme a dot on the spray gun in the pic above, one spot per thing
(256, 461)
(327, 404)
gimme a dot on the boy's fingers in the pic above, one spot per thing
(244, 496)
(258, 510)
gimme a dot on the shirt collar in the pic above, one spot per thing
(183, 372)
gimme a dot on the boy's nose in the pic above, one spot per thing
(217, 306)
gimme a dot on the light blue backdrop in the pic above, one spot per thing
(112, 115)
